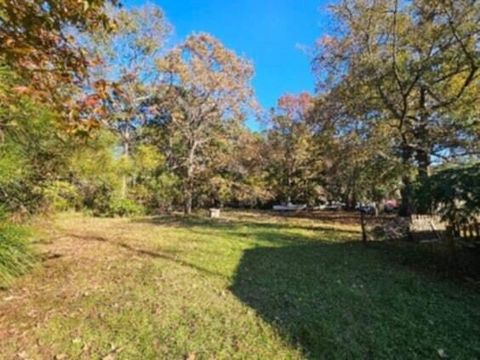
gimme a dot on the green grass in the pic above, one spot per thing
(16, 256)
(251, 286)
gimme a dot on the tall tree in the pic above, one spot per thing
(125, 74)
(355, 151)
(208, 91)
(293, 163)
(416, 65)
(236, 173)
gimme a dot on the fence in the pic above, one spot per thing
(468, 232)
(424, 228)
(427, 227)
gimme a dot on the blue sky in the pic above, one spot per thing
(268, 32)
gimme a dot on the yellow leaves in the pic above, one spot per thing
(86, 5)
(177, 115)
(125, 165)
(148, 157)
(100, 87)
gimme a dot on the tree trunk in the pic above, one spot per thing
(422, 154)
(406, 192)
(288, 190)
(351, 197)
(188, 183)
(364, 230)
(188, 191)
(188, 200)
(126, 154)
(423, 160)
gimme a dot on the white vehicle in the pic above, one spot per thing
(335, 206)
(290, 207)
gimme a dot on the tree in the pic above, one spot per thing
(208, 92)
(416, 65)
(95, 171)
(356, 152)
(236, 175)
(40, 63)
(125, 73)
(294, 166)
(34, 150)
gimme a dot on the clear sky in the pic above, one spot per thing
(268, 32)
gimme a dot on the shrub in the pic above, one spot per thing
(125, 208)
(97, 199)
(16, 255)
(61, 196)
(454, 192)
(166, 191)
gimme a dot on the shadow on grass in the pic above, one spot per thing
(435, 259)
(342, 300)
(147, 253)
(182, 221)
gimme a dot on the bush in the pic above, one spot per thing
(61, 196)
(125, 208)
(157, 193)
(454, 192)
(16, 256)
(97, 199)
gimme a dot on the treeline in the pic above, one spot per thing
(100, 111)
(103, 113)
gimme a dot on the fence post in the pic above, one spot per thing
(364, 231)
(452, 252)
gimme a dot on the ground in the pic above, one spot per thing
(250, 285)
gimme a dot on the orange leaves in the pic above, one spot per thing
(92, 100)
(100, 86)
(21, 90)
(35, 44)
(214, 77)
(296, 106)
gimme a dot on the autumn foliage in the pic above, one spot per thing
(396, 101)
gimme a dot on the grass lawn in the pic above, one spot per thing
(247, 286)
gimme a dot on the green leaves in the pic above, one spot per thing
(412, 65)
(455, 191)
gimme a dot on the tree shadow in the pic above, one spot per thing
(154, 254)
(344, 300)
(434, 259)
